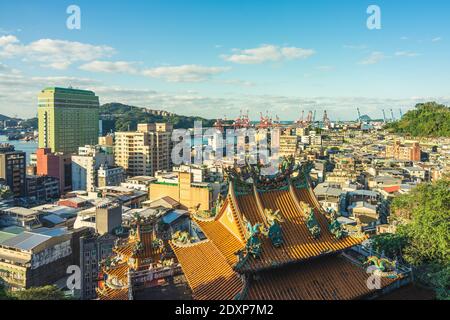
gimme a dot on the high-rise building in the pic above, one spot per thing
(12, 169)
(68, 119)
(144, 151)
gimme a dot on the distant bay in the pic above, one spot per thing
(28, 147)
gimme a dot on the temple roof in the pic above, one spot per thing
(328, 278)
(138, 253)
(113, 294)
(207, 271)
(226, 231)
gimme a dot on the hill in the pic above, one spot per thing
(3, 118)
(127, 117)
(426, 120)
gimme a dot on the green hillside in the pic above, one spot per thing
(127, 117)
(426, 120)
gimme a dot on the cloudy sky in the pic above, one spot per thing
(213, 58)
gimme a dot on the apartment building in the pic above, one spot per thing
(145, 151)
(404, 152)
(86, 164)
(12, 169)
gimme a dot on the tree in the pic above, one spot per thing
(426, 120)
(5, 193)
(3, 294)
(40, 293)
(424, 238)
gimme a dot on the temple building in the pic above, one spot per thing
(138, 262)
(267, 238)
(270, 239)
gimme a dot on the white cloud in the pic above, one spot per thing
(437, 39)
(266, 53)
(407, 54)
(110, 67)
(184, 73)
(373, 58)
(57, 54)
(8, 40)
(18, 94)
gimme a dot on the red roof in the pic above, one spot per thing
(392, 189)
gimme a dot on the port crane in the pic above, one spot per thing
(359, 115)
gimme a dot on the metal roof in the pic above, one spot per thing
(26, 241)
(53, 218)
(172, 216)
(20, 211)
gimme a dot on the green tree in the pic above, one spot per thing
(423, 239)
(425, 120)
(40, 293)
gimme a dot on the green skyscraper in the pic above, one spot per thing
(68, 119)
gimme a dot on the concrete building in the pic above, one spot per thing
(85, 166)
(43, 188)
(68, 119)
(110, 176)
(12, 169)
(145, 151)
(38, 258)
(108, 217)
(288, 144)
(404, 152)
(56, 165)
(188, 193)
(93, 249)
(138, 183)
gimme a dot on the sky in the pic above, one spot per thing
(214, 58)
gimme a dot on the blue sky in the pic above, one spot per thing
(214, 58)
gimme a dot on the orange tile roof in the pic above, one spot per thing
(207, 271)
(298, 242)
(224, 240)
(113, 294)
(327, 278)
(120, 272)
(143, 259)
